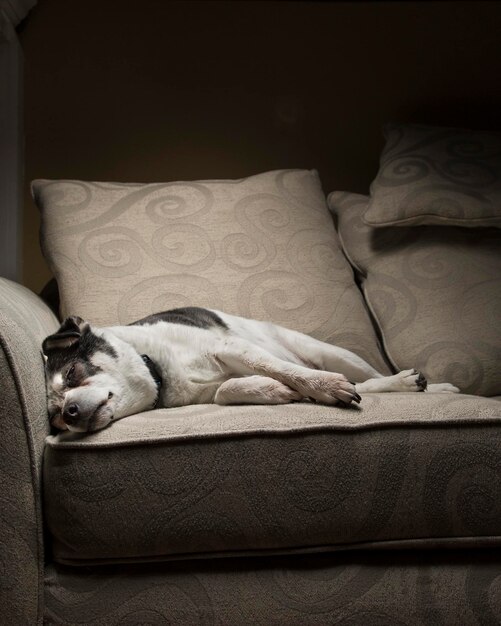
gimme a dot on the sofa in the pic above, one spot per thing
(378, 514)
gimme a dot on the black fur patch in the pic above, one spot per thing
(82, 350)
(154, 370)
(190, 316)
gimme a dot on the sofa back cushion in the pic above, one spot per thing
(263, 247)
(435, 293)
(431, 175)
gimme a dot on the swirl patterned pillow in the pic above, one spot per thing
(434, 292)
(262, 247)
(432, 175)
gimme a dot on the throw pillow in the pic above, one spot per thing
(263, 247)
(442, 176)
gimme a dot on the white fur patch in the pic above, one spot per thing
(57, 381)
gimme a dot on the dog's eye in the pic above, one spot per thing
(70, 372)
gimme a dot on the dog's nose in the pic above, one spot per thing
(71, 412)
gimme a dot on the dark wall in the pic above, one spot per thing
(158, 90)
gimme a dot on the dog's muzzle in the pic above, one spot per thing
(87, 407)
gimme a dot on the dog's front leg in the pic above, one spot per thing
(238, 357)
(255, 390)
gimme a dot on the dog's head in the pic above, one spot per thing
(93, 377)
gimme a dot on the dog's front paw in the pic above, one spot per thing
(333, 389)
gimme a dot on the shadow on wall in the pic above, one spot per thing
(187, 90)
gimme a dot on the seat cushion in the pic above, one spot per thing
(403, 469)
(263, 247)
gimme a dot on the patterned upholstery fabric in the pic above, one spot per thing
(417, 470)
(434, 292)
(431, 175)
(401, 469)
(379, 588)
(262, 247)
(24, 322)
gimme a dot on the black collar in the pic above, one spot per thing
(155, 374)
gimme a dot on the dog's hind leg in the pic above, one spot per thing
(334, 359)
(406, 380)
(255, 390)
(298, 348)
(321, 355)
(295, 347)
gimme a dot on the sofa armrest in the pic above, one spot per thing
(24, 322)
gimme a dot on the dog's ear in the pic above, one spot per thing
(68, 335)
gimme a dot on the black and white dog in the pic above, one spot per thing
(193, 355)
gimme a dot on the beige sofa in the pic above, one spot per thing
(387, 513)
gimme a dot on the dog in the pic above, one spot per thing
(194, 355)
